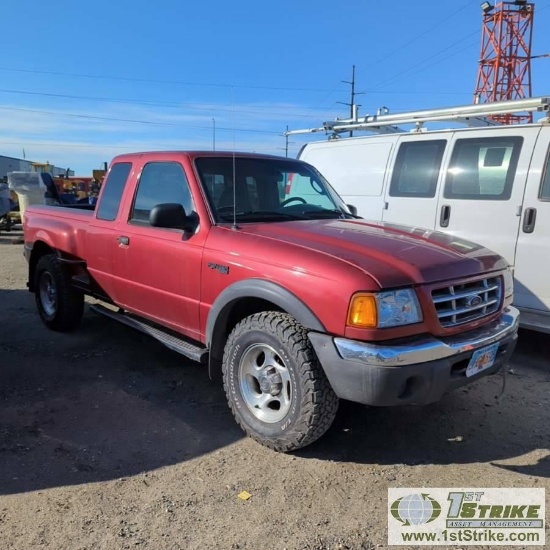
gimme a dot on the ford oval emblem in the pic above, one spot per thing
(473, 300)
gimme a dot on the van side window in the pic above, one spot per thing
(483, 168)
(159, 183)
(112, 192)
(416, 169)
(545, 187)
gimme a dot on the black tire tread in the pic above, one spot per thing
(70, 301)
(319, 402)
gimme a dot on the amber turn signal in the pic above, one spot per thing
(362, 311)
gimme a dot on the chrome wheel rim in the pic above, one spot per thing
(48, 294)
(265, 383)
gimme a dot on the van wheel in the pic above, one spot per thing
(60, 306)
(275, 386)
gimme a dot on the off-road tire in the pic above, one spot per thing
(313, 403)
(64, 312)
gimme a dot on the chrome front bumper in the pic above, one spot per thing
(414, 370)
(422, 350)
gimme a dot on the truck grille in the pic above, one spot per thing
(466, 302)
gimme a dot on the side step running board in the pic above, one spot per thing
(171, 341)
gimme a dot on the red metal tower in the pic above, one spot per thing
(505, 63)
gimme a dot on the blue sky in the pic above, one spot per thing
(82, 82)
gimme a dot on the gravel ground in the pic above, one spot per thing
(110, 441)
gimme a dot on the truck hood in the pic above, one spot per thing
(392, 255)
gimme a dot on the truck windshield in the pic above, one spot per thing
(263, 189)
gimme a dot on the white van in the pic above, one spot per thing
(490, 185)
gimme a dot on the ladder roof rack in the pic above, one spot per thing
(471, 115)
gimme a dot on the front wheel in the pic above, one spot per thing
(275, 386)
(60, 306)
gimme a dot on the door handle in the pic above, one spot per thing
(529, 220)
(445, 215)
(124, 240)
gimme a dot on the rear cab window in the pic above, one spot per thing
(483, 168)
(112, 191)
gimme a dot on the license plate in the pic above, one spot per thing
(482, 359)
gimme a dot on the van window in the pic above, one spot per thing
(545, 187)
(112, 192)
(483, 168)
(416, 169)
(159, 183)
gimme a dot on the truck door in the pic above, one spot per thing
(413, 181)
(482, 195)
(100, 233)
(159, 269)
(532, 280)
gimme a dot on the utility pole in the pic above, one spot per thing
(285, 135)
(286, 141)
(352, 106)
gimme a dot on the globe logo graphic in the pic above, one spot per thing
(415, 509)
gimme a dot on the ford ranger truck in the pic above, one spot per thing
(255, 267)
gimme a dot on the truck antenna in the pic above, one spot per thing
(234, 226)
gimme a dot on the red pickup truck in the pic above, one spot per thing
(254, 266)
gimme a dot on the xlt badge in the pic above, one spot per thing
(223, 269)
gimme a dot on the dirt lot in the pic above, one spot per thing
(108, 440)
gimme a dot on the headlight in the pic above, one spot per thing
(384, 309)
(508, 283)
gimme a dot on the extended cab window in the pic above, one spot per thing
(545, 188)
(416, 169)
(160, 183)
(112, 191)
(483, 168)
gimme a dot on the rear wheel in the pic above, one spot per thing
(60, 306)
(275, 386)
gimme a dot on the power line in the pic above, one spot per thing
(134, 121)
(397, 50)
(151, 103)
(158, 81)
(99, 147)
(195, 107)
(421, 35)
(396, 76)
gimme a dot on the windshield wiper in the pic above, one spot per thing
(263, 215)
(327, 213)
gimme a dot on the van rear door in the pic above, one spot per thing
(532, 280)
(411, 195)
(482, 195)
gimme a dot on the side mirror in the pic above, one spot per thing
(352, 209)
(172, 216)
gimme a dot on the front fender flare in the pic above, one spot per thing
(264, 290)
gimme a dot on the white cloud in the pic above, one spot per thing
(85, 141)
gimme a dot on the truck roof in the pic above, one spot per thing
(199, 153)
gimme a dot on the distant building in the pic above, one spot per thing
(10, 164)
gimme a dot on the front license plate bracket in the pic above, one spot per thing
(482, 359)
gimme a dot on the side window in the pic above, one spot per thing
(545, 188)
(416, 169)
(112, 192)
(483, 168)
(159, 183)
